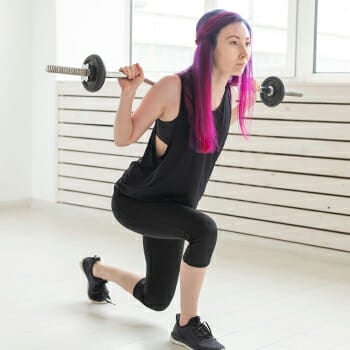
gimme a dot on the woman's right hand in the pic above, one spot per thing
(135, 77)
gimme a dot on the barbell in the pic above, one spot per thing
(93, 74)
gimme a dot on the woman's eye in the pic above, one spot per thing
(234, 42)
(247, 44)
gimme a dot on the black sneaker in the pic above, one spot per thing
(196, 335)
(97, 290)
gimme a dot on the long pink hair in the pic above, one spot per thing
(197, 83)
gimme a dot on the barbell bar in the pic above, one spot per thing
(93, 74)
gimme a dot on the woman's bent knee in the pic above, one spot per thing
(202, 243)
(210, 234)
(155, 302)
(159, 307)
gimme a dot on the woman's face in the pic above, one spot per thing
(232, 51)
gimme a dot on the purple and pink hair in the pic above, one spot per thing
(197, 83)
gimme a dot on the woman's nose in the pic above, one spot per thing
(244, 52)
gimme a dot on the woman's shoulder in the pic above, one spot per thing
(171, 91)
(170, 82)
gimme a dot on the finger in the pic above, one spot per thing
(134, 71)
(124, 70)
(140, 70)
(129, 72)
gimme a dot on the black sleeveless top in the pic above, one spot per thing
(164, 130)
(180, 175)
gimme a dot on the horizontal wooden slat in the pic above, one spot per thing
(326, 221)
(94, 160)
(311, 148)
(88, 103)
(91, 117)
(254, 178)
(269, 179)
(301, 129)
(276, 197)
(86, 117)
(292, 164)
(283, 232)
(110, 88)
(285, 111)
(235, 224)
(86, 186)
(302, 111)
(101, 132)
(86, 200)
(89, 173)
(99, 146)
(302, 200)
(87, 131)
(232, 159)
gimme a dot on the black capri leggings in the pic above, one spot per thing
(165, 226)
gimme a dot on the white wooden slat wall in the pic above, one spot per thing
(289, 181)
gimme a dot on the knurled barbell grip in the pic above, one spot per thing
(82, 72)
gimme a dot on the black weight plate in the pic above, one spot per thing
(97, 75)
(277, 96)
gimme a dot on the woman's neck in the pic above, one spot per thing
(218, 84)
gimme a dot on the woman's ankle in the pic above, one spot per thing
(185, 318)
(96, 268)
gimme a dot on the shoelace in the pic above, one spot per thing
(203, 331)
(108, 300)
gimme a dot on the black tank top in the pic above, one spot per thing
(180, 175)
(164, 130)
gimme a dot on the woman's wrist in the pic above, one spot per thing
(128, 92)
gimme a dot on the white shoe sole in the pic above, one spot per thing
(176, 342)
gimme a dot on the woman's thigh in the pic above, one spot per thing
(169, 220)
(166, 220)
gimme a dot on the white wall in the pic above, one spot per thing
(27, 98)
(44, 117)
(15, 99)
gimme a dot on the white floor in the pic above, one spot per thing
(258, 294)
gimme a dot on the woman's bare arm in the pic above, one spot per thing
(128, 126)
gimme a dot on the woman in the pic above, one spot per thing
(157, 195)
